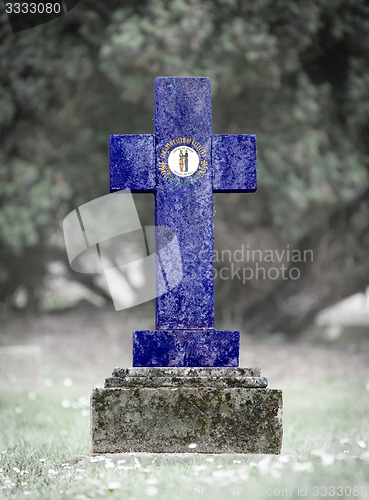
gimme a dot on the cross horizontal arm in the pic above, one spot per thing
(132, 162)
(234, 163)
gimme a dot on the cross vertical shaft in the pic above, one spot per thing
(182, 117)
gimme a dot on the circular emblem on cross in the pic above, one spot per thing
(183, 161)
(183, 157)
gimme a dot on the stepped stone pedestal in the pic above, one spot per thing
(220, 410)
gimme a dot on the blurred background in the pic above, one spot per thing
(296, 74)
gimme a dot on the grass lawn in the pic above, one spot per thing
(325, 451)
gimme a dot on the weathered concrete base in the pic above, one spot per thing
(166, 410)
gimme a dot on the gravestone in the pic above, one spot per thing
(185, 387)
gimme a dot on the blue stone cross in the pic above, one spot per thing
(183, 164)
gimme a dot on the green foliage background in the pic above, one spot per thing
(294, 73)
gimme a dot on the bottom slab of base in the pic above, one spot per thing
(195, 347)
(169, 420)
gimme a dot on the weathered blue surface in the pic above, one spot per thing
(189, 163)
(234, 163)
(132, 162)
(182, 109)
(185, 348)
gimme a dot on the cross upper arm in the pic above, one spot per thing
(132, 162)
(234, 163)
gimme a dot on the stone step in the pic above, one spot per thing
(175, 382)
